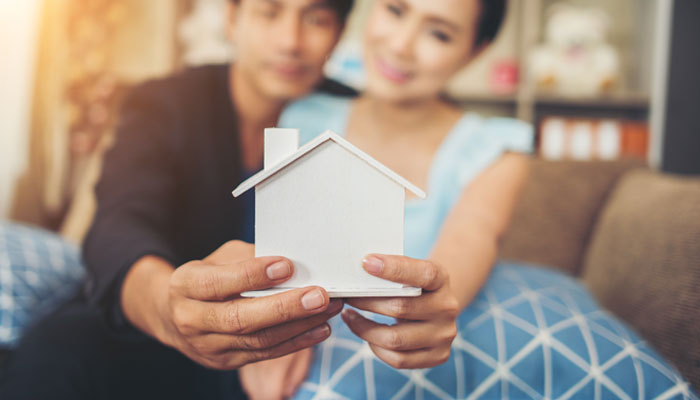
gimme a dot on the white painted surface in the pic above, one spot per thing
(325, 212)
(19, 28)
(280, 143)
(659, 80)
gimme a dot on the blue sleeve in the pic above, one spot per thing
(315, 114)
(490, 140)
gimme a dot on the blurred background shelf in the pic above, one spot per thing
(72, 61)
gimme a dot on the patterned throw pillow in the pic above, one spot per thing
(530, 333)
(38, 271)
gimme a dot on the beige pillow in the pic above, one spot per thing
(554, 218)
(644, 263)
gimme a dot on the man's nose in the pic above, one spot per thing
(290, 34)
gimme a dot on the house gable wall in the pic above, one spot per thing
(336, 209)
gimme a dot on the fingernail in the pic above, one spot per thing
(334, 307)
(312, 300)
(278, 270)
(350, 314)
(373, 265)
(319, 332)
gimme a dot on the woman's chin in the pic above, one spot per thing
(394, 95)
(386, 91)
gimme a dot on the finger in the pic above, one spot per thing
(424, 358)
(202, 281)
(425, 307)
(266, 338)
(402, 336)
(297, 372)
(231, 252)
(409, 271)
(305, 340)
(245, 316)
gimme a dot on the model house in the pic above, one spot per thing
(325, 206)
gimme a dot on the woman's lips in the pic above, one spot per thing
(393, 74)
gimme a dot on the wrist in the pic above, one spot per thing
(144, 297)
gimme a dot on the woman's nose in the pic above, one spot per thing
(403, 41)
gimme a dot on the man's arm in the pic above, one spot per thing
(136, 188)
(195, 308)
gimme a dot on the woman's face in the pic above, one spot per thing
(413, 47)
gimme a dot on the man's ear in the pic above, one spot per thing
(231, 14)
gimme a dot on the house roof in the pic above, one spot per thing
(308, 147)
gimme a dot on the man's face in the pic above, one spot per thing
(282, 45)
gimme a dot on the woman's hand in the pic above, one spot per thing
(426, 325)
(277, 378)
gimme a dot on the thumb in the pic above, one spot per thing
(297, 371)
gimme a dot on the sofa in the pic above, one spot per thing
(631, 235)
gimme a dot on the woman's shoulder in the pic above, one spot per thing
(315, 114)
(477, 142)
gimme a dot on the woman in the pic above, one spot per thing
(473, 169)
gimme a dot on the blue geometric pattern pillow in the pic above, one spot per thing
(38, 271)
(530, 333)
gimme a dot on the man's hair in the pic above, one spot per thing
(490, 21)
(341, 7)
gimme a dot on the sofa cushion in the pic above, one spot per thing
(38, 271)
(644, 263)
(530, 333)
(556, 212)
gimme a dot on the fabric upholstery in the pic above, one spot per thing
(530, 333)
(644, 263)
(554, 218)
(38, 271)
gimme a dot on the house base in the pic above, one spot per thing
(406, 291)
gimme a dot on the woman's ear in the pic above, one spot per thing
(473, 54)
(231, 10)
(478, 51)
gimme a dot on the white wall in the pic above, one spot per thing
(19, 31)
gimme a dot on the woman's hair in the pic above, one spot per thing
(341, 7)
(490, 20)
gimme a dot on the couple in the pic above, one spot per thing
(165, 272)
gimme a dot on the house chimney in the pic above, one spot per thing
(279, 143)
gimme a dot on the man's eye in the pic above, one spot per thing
(319, 19)
(441, 36)
(267, 12)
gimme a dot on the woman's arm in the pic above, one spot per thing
(468, 243)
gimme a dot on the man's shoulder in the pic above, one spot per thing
(183, 86)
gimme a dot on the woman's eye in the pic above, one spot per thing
(394, 9)
(441, 36)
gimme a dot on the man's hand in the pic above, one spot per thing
(200, 311)
(426, 325)
(276, 379)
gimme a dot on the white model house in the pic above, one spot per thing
(325, 206)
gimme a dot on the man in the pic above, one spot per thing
(165, 271)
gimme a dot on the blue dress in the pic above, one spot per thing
(529, 333)
(471, 146)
